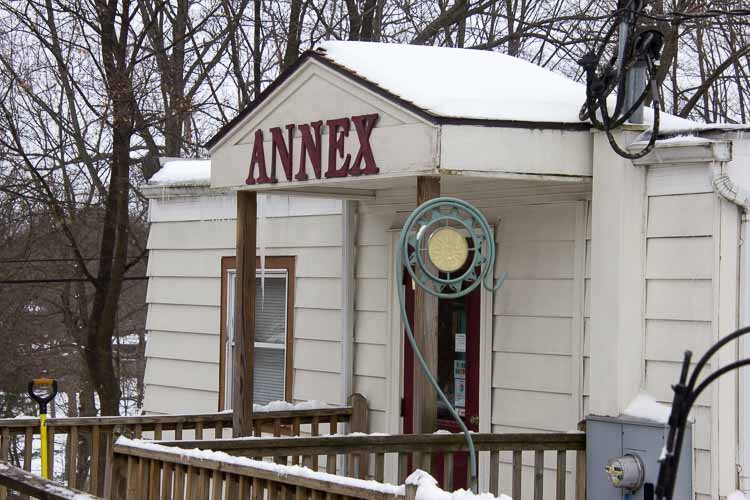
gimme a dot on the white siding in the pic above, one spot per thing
(371, 348)
(679, 302)
(538, 352)
(184, 292)
(535, 384)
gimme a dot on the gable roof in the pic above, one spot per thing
(449, 85)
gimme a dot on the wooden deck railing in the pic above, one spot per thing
(16, 482)
(89, 439)
(140, 473)
(366, 457)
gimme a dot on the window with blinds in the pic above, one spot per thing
(271, 321)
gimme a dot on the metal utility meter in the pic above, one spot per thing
(622, 459)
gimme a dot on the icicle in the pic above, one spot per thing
(261, 242)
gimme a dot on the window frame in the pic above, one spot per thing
(286, 263)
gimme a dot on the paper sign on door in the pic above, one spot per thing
(460, 392)
(460, 345)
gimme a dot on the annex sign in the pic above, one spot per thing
(307, 163)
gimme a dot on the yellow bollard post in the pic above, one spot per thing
(43, 390)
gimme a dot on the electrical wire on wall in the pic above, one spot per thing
(637, 55)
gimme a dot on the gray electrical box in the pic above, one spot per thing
(626, 451)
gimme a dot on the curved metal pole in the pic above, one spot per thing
(402, 258)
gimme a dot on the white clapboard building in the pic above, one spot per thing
(615, 267)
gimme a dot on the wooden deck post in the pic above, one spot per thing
(244, 316)
(425, 333)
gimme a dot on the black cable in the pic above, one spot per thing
(685, 395)
(602, 80)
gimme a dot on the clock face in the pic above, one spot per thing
(447, 249)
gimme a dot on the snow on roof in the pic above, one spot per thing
(473, 84)
(182, 172)
(645, 406)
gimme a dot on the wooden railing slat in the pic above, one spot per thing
(539, 475)
(72, 457)
(403, 464)
(380, 467)
(51, 448)
(448, 471)
(28, 440)
(217, 483)
(5, 445)
(154, 480)
(94, 464)
(258, 487)
(495, 473)
(166, 483)
(581, 475)
(561, 472)
(179, 483)
(130, 478)
(517, 471)
(315, 431)
(243, 488)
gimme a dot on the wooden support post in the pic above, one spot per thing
(358, 422)
(244, 316)
(425, 333)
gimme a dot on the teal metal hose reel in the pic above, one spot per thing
(447, 247)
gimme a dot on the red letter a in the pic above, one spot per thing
(259, 158)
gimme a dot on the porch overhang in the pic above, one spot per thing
(322, 130)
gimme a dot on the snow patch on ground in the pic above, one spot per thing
(183, 172)
(427, 489)
(645, 406)
(737, 495)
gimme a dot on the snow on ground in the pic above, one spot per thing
(427, 489)
(737, 495)
(183, 172)
(645, 406)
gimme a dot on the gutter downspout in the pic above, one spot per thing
(732, 192)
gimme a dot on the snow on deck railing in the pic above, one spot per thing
(21, 481)
(215, 459)
(419, 485)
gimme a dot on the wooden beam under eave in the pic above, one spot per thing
(244, 316)
(425, 333)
